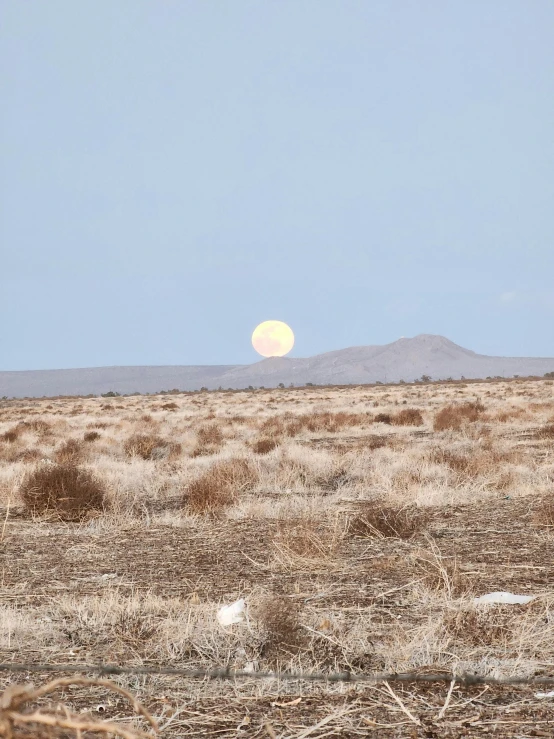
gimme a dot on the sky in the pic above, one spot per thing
(174, 172)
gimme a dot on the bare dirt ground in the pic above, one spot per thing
(357, 523)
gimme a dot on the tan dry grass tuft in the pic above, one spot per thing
(453, 417)
(66, 491)
(408, 417)
(150, 446)
(307, 542)
(377, 518)
(209, 440)
(70, 452)
(220, 486)
(264, 445)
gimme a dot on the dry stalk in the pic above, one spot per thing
(16, 698)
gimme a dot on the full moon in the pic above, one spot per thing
(273, 339)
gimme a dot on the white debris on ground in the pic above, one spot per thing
(502, 596)
(233, 614)
(550, 694)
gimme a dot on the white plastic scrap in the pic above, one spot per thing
(550, 694)
(503, 597)
(233, 614)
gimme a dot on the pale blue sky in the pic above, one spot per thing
(175, 171)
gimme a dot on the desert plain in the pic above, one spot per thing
(358, 523)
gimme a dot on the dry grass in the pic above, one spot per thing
(408, 417)
(150, 446)
(24, 716)
(453, 417)
(63, 490)
(264, 445)
(356, 546)
(220, 486)
(377, 518)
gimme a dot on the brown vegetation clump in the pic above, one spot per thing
(377, 518)
(441, 574)
(65, 490)
(220, 486)
(91, 436)
(408, 417)
(209, 440)
(150, 446)
(11, 435)
(264, 445)
(455, 416)
(486, 463)
(279, 618)
(70, 452)
(383, 418)
(307, 541)
(481, 628)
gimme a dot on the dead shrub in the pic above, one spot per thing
(70, 452)
(441, 574)
(65, 490)
(453, 417)
(377, 518)
(220, 486)
(279, 618)
(169, 406)
(264, 446)
(481, 627)
(209, 440)
(383, 418)
(149, 446)
(307, 541)
(408, 417)
(91, 436)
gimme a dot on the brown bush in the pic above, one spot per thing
(169, 406)
(209, 440)
(279, 618)
(383, 418)
(220, 486)
(377, 518)
(65, 490)
(91, 436)
(150, 446)
(264, 446)
(455, 416)
(408, 417)
(70, 452)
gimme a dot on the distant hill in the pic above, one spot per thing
(405, 359)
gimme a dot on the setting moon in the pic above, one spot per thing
(273, 339)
